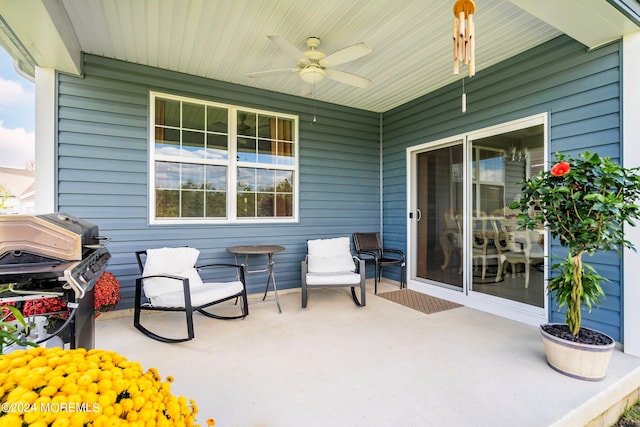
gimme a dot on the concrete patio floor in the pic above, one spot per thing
(335, 364)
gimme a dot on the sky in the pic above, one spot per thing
(17, 116)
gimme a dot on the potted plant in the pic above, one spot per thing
(584, 202)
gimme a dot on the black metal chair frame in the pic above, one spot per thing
(361, 285)
(188, 309)
(369, 246)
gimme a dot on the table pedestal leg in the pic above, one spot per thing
(271, 277)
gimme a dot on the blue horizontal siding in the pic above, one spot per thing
(102, 157)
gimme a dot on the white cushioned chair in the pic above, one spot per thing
(329, 263)
(171, 281)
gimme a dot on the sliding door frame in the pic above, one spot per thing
(499, 306)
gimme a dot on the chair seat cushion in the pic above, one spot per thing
(329, 279)
(200, 295)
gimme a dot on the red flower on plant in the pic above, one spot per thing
(7, 316)
(33, 307)
(560, 168)
(107, 293)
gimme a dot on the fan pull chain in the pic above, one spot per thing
(313, 92)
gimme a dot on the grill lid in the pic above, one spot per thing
(55, 235)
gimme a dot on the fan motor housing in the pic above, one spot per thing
(312, 73)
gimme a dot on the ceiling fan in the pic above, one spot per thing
(313, 65)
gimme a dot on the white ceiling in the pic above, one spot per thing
(411, 40)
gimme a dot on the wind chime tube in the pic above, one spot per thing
(464, 102)
(456, 62)
(471, 46)
(461, 37)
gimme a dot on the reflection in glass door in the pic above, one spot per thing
(440, 218)
(506, 262)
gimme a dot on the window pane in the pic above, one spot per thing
(266, 151)
(192, 176)
(247, 150)
(167, 141)
(285, 154)
(193, 144)
(284, 181)
(216, 178)
(192, 203)
(216, 204)
(246, 123)
(285, 130)
(246, 204)
(167, 175)
(246, 179)
(266, 180)
(167, 112)
(267, 127)
(167, 203)
(491, 166)
(492, 197)
(284, 205)
(192, 116)
(217, 147)
(217, 120)
(265, 205)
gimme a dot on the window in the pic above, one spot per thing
(487, 170)
(220, 163)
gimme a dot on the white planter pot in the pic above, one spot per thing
(581, 361)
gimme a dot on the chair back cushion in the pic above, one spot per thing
(330, 256)
(170, 261)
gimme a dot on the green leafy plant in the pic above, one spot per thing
(585, 203)
(13, 332)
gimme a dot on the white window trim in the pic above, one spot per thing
(232, 166)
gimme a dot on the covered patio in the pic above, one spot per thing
(103, 69)
(385, 364)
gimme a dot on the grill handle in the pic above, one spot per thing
(99, 245)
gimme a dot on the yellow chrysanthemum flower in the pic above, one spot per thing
(68, 388)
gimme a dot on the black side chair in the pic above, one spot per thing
(171, 282)
(369, 246)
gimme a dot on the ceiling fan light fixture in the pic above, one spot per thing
(312, 74)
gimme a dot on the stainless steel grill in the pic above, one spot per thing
(54, 254)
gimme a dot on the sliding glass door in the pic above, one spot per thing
(439, 223)
(464, 238)
(507, 262)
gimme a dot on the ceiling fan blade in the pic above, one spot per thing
(272, 72)
(348, 78)
(288, 48)
(345, 55)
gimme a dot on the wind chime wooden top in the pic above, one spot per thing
(464, 36)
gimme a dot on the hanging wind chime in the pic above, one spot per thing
(464, 41)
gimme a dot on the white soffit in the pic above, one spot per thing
(591, 22)
(227, 39)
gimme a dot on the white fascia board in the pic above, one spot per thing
(591, 22)
(41, 31)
